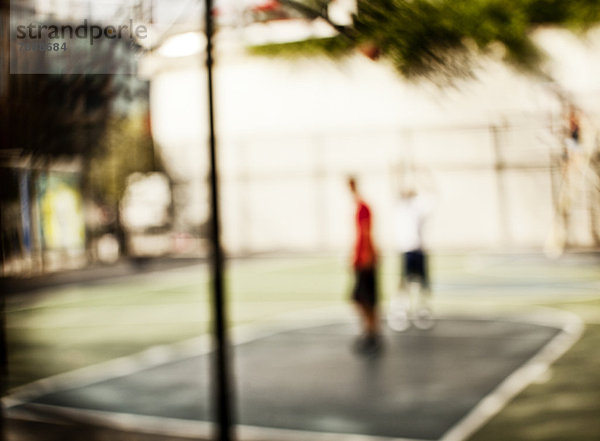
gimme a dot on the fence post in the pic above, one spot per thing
(499, 169)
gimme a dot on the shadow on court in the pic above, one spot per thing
(420, 386)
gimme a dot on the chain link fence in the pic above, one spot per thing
(495, 186)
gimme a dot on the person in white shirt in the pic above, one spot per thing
(412, 211)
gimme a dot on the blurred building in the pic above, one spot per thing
(289, 131)
(55, 116)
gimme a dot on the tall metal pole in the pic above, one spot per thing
(222, 385)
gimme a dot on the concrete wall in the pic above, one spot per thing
(289, 132)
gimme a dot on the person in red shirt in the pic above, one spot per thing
(364, 263)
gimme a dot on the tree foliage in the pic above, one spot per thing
(56, 111)
(126, 148)
(438, 38)
(425, 37)
(53, 116)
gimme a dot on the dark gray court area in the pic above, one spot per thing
(419, 386)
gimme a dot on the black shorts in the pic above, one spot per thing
(365, 289)
(414, 265)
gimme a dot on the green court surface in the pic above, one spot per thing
(75, 325)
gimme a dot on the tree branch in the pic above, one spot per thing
(313, 13)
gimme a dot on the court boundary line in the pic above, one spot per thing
(569, 325)
(493, 403)
(188, 429)
(156, 356)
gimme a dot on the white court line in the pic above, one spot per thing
(188, 429)
(156, 356)
(534, 368)
(571, 328)
(118, 367)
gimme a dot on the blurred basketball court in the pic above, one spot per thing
(300, 379)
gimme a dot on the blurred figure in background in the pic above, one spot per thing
(412, 211)
(576, 179)
(574, 129)
(574, 154)
(364, 263)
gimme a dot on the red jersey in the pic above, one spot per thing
(364, 251)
